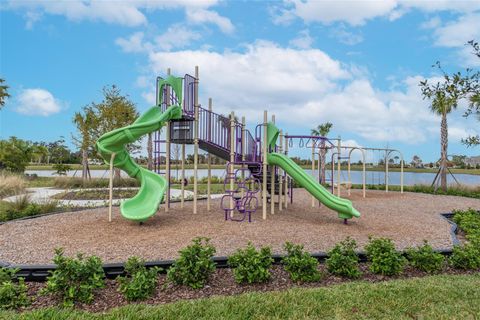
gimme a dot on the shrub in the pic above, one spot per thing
(76, 182)
(195, 264)
(465, 257)
(474, 239)
(468, 221)
(139, 282)
(300, 264)
(11, 184)
(22, 207)
(424, 258)
(61, 169)
(13, 294)
(75, 279)
(251, 265)
(385, 260)
(342, 259)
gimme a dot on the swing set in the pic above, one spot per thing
(322, 145)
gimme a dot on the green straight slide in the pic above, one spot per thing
(342, 206)
(152, 186)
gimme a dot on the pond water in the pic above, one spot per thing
(372, 177)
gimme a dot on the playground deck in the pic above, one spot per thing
(407, 218)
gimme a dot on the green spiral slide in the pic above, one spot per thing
(342, 206)
(152, 186)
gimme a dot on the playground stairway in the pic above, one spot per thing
(214, 134)
(257, 172)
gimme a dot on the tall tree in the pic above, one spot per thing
(58, 151)
(444, 96)
(15, 154)
(113, 112)
(3, 93)
(322, 130)
(39, 152)
(473, 87)
(442, 105)
(86, 122)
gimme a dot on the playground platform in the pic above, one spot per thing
(407, 219)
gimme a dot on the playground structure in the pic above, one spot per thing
(258, 166)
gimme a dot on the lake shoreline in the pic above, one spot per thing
(217, 166)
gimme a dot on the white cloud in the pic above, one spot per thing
(303, 40)
(432, 23)
(200, 16)
(358, 12)
(128, 13)
(354, 13)
(344, 36)
(134, 43)
(124, 13)
(456, 133)
(37, 102)
(303, 87)
(253, 79)
(457, 33)
(461, 6)
(176, 36)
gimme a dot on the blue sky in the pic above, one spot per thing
(356, 64)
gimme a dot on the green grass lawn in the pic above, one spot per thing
(435, 297)
(77, 166)
(120, 194)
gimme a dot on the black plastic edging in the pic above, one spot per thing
(39, 273)
(453, 227)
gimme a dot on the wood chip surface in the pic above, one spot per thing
(407, 218)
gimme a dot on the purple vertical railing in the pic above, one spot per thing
(214, 129)
(250, 147)
(189, 96)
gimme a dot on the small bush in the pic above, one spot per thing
(195, 264)
(22, 207)
(342, 259)
(251, 265)
(465, 257)
(75, 279)
(139, 282)
(385, 260)
(61, 169)
(11, 184)
(300, 264)
(474, 239)
(468, 221)
(13, 292)
(424, 258)
(75, 183)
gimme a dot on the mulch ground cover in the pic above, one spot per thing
(221, 283)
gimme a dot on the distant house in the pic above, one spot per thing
(472, 161)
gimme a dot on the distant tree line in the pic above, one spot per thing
(16, 154)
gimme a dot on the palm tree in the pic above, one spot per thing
(322, 130)
(472, 141)
(443, 105)
(396, 158)
(3, 93)
(85, 122)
